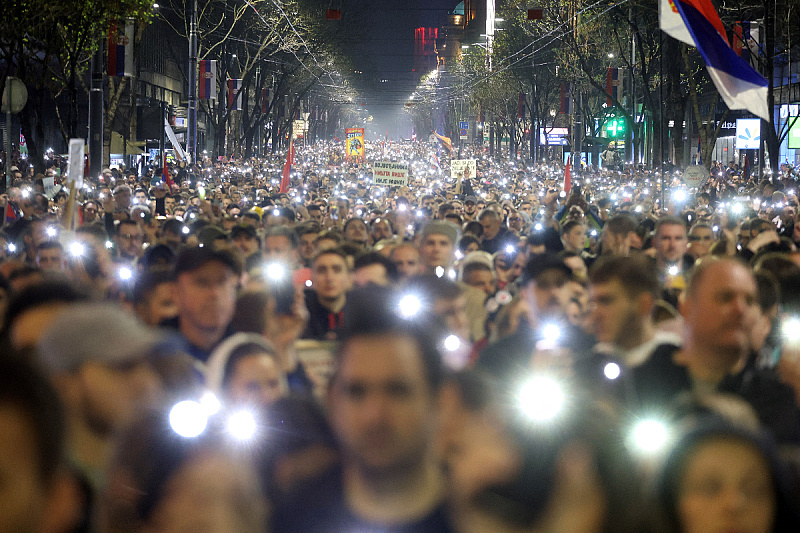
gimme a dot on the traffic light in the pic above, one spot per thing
(615, 127)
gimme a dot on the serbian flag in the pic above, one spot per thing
(207, 79)
(287, 168)
(568, 176)
(234, 94)
(695, 22)
(614, 77)
(120, 50)
(12, 213)
(165, 175)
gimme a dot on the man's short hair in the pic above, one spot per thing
(488, 212)
(567, 226)
(374, 258)
(668, 221)
(284, 231)
(49, 245)
(635, 274)
(620, 225)
(475, 266)
(330, 251)
(372, 311)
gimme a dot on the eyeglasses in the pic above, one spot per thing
(515, 219)
(131, 236)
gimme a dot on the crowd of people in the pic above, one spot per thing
(203, 348)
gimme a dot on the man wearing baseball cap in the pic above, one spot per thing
(205, 294)
(543, 288)
(437, 245)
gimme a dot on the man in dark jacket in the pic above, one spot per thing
(331, 279)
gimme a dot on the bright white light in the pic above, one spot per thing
(409, 306)
(736, 208)
(309, 283)
(541, 398)
(538, 226)
(188, 419)
(185, 230)
(12, 247)
(791, 330)
(638, 209)
(401, 207)
(210, 403)
(439, 271)
(551, 333)
(241, 425)
(679, 195)
(51, 231)
(125, 273)
(276, 212)
(459, 254)
(673, 270)
(109, 245)
(76, 249)
(509, 248)
(649, 436)
(612, 371)
(275, 271)
(452, 343)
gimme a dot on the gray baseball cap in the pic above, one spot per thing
(96, 332)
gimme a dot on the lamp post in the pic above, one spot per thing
(191, 133)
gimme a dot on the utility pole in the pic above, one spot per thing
(191, 133)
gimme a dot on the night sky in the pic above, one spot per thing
(387, 53)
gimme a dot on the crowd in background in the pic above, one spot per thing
(203, 348)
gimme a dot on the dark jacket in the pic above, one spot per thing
(322, 323)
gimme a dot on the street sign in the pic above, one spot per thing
(15, 95)
(695, 175)
(463, 130)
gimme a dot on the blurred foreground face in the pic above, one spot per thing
(726, 487)
(211, 493)
(23, 493)
(381, 404)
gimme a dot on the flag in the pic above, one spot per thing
(234, 94)
(614, 77)
(695, 22)
(568, 176)
(746, 37)
(165, 175)
(207, 79)
(120, 50)
(566, 99)
(445, 140)
(264, 100)
(746, 167)
(287, 168)
(174, 140)
(435, 161)
(12, 213)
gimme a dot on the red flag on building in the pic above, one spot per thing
(287, 168)
(568, 176)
